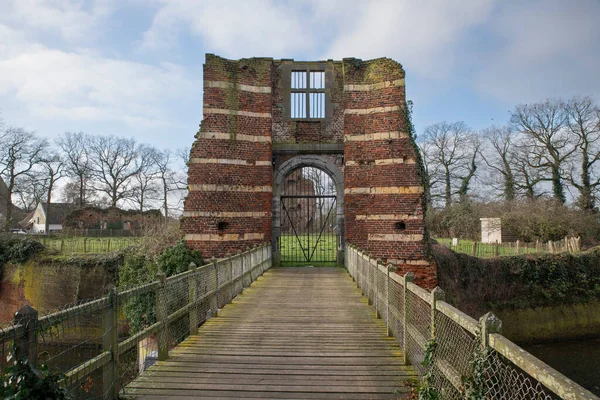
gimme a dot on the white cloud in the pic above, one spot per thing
(236, 28)
(86, 86)
(72, 20)
(422, 35)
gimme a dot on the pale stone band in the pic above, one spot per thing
(385, 161)
(227, 214)
(375, 136)
(238, 86)
(382, 217)
(229, 237)
(374, 110)
(395, 237)
(228, 161)
(238, 137)
(373, 86)
(227, 111)
(385, 190)
(227, 188)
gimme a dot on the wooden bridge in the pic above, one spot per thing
(302, 333)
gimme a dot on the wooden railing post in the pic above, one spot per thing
(409, 277)
(193, 297)
(377, 289)
(161, 317)
(110, 343)
(489, 324)
(474, 250)
(231, 281)
(369, 280)
(387, 300)
(216, 288)
(26, 345)
(244, 262)
(436, 294)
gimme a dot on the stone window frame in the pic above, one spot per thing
(286, 84)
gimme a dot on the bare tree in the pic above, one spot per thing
(550, 145)
(501, 157)
(20, 151)
(116, 161)
(171, 179)
(583, 120)
(53, 167)
(30, 190)
(449, 151)
(74, 146)
(146, 177)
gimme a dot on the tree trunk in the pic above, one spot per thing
(48, 200)
(557, 186)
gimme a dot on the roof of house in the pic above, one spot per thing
(58, 211)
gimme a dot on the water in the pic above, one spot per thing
(577, 359)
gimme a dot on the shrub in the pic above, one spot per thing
(475, 285)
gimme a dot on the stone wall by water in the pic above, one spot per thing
(46, 285)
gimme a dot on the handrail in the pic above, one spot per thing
(203, 287)
(458, 337)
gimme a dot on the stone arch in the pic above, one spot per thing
(334, 172)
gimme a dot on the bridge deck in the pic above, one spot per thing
(302, 333)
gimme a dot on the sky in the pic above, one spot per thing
(133, 68)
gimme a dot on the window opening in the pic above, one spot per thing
(308, 94)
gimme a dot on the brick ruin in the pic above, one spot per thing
(255, 133)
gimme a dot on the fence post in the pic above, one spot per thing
(193, 296)
(84, 245)
(213, 261)
(409, 277)
(26, 345)
(518, 246)
(369, 280)
(161, 316)
(436, 294)
(231, 288)
(62, 245)
(387, 300)
(377, 289)
(474, 250)
(108, 250)
(110, 343)
(489, 324)
(497, 248)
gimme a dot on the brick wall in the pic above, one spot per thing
(384, 202)
(228, 207)
(246, 113)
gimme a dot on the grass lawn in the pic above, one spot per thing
(488, 250)
(89, 245)
(297, 249)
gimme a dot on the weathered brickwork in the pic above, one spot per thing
(247, 135)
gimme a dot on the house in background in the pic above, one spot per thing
(35, 222)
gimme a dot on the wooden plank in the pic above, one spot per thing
(295, 333)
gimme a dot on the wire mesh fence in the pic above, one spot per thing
(489, 250)
(457, 355)
(104, 344)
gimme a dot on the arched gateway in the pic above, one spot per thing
(307, 156)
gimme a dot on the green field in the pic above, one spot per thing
(291, 248)
(488, 250)
(87, 245)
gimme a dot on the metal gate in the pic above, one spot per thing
(308, 218)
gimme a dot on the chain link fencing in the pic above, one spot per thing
(104, 344)
(461, 357)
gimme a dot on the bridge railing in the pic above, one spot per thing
(103, 344)
(457, 354)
